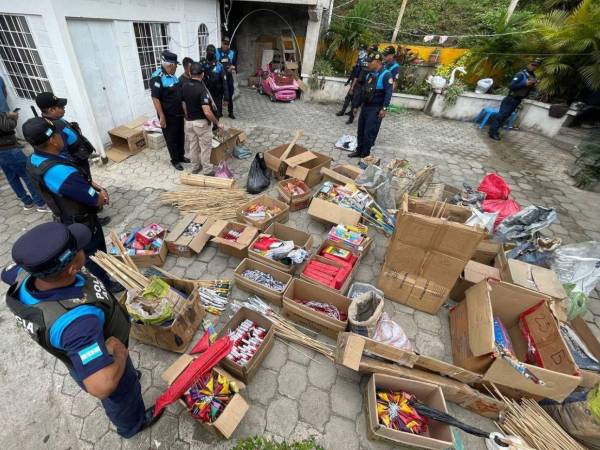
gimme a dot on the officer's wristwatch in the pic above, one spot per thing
(385, 108)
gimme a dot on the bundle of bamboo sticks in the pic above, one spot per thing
(204, 181)
(529, 421)
(129, 277)
(212, 202)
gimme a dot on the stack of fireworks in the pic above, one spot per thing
(247, 339)
(354, 236)
(232, 235)
(214, 295)
(324, 308)
(395, 412)
(142, 241)
(264, 278)
(295, 187)
(208, 398)
(330, 275)
(261, 212)
(284, 251)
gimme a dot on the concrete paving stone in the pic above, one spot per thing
(407, 323)
(348, 374)
(292, 379)
(429, 345)
(364, 441)
(340, 434)
(427, 321)
(276, 357)
(253, 423)
(110, 441)
(164, 433)
(346, 398)
(263, 386)
(83, 404)
(151, 395)
(140, 441)
(314, 407)
(322, 372)
(304, 432)
(300, 354)
(282, 416)
(195, 270)
(94, 425)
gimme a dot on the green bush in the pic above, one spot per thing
(260, 443)
(323, 67)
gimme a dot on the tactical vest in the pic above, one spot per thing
(65, 210)
(78, 147)
(373, 85)
(38, 319)
(225, 58)
(364, 71)
(524, 91)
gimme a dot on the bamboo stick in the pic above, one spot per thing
(212, 202)
(205, 181)
(124, 253)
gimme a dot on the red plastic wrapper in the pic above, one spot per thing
(533, 355)
(494, 187)
(504, 208)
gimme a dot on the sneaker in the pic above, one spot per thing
(150, 419)
(29, 207)
(42, 209)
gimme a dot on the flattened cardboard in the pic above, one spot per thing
(533, 277)
(238, 248)
(341, 174)
(438, 434)
(263, 224)
(263, 292)
(181, 245)
(300, 159)
(303, 290)
(285, 233)
(328, 212)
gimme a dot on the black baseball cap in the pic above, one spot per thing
(47, 249)
(46, 100)
(168, 57)
(390, 50)
(196, 68)
(375, 57)
(211, 49)
(38, 130)
(226, 39)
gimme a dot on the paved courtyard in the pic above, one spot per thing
(295, 394)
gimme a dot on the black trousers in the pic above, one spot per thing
(218, 99)
(96, 243)
(369, 123)
(229, 99)
(174, 136)
(347, 101)
(507, 107)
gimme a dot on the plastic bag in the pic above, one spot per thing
(347, 143)
(578, 264)
(223, 171)
(578, 301)
(502, 208)
(241, 152)
(378, 182)
(259, 177)
(484, 220)
(390, 333)
(494, 186)
(522, 225)
(581, 353)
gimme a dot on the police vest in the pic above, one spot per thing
(225, 58)
(38, 319)
(393, 67)
(522, 92)
(364, 71)
(66, 210)
(373, 85)
(77, 145)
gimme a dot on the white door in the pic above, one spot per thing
(100, 65)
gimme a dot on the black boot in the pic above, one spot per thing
(350, 119)
(149, 418)
(355, 155)
(340, 113)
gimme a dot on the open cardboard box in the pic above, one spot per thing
(237, 248)
(329, 212)
(285, 233)
(221, 151)
(126, 140)
(257, 288)
(343, 288)
(303, 290)
(263, 224)
(442, 210)
(438, 434)
(183, 245)
(341, 174)
(308, 171)
(247, 372)
(440, 192)
(156, 259)
(473, 340)
(232, 414)
(188, 312)
(295, 202)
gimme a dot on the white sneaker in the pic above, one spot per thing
(42, 209)
(28, 207)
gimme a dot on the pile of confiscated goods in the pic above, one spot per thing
(516, 330)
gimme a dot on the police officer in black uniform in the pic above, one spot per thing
(360, 62)
(72, 316)
(226, 57)
(520, 87)
(215, 79)
(358, 84)
(376, 96)
(166, 96)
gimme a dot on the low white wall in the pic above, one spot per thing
(534, 116)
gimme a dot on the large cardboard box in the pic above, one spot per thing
(329, 212)
(232, 414)
(442, 210)
(247, 372)
(303, 290)
(308, 171)
(184, 245)
(262, 291)
(438, 434)
(237, 248)
(295, 202)
(341, 174)
(263, 224)
(188, 313)
(425, 257)
(157, 259)
(473, 341)
(285, 233)
(126, 141)
(221, 151)
(474, 273)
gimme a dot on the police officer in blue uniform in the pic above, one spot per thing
(377, 93)
(520, 86)
(226, 57)
(360, 62)
(76, 146)
(359, 83)
(65, 188)
(390, 63)
(166, 96)
(215, 79)
(72, 316)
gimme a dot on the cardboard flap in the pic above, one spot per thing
(231, 416)
(300, 159)
(547, 282)
(352, 350)
(118, 154)
(216, 228)
(481, 320)
(180, 227)
(199, 241)
(173, 371)
(247, 236)
(475, 272)
(297, 172)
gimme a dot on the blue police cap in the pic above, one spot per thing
(47, 249)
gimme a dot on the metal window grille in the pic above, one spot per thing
(21, 58)
(151, 39)
(202, 39)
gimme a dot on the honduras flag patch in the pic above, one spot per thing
(90, 353)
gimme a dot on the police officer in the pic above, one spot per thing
(72, 316)
(377, 93)
(390, 63)
(76, 146)
(359, 83)
(71, 197)
(185, 76)
(166, 96)
(520, 86)
(360, 61)
(226, 57)
(214, 79)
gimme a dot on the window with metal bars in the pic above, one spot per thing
(21, 58)
(202, 39)
(152, 39)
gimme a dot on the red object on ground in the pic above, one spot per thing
(504, 208)
(202, 345)
(198, 367)
(494, 187)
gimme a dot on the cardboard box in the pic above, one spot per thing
(125, 141)
(247, 372)
(285, 233)
(303, 290)
(438, 434)
(442, 210)
(232, 414)
(262, 291)
(176, 337)
(440, 192)
(157, 259)
(424, 258)
(238, 248)
(344, 288)
(589, 379)
(474, 273)
(341, 174)
(473, 341)
(263, 224)
(329, 212)
(295, 202)
(155, 140)
(182, 245)
(221, 151)
(309, 171)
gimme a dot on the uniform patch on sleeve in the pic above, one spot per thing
(91, 191)
(391, 81)
(156, 84)
(90, 353)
